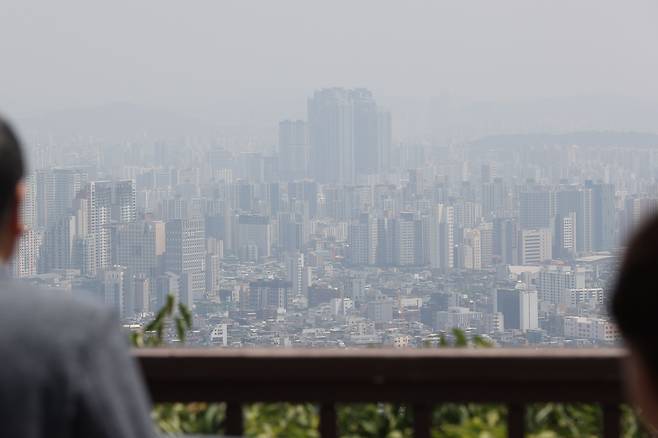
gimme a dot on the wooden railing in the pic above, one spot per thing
(420, 378)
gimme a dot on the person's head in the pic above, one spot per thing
(634, 306)
(12, 190)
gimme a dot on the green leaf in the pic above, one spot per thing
(186, 314)
(460, 338)
(180, 328)
(479, 341)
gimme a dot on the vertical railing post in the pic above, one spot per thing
(422, 420)
(515, 420)
(234, 420)
(328, 421)
(611, 420)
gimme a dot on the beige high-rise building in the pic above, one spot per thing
(535, 246)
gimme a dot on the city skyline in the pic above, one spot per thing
(341, 236)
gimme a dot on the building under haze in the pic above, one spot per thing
(349, 135)
(185, 254)
(293, 149)
(519, 308)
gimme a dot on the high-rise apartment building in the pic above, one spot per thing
(363, 241)
(139, 246)
(185, 252)
(99, 205)
(58, 250)
(293, 149)
(577, 201)
(405, 240)
(470, 250)
(331, 133)
(55, 191)
(493, 197)
(519, 308)
(349, 135)
(254, 232)
(441, 238)
(116, 292)
(604, 227)
(506, 240)
(124, 207)
(564, 243)
(213, 274)
(29, 205)
(537, 209)
(299, 275)
(27, 254)
(486, 243)
(384, 140)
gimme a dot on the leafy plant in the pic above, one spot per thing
(190, 418)
(153, 334)
(564, 420)
(469, 421)
(371, 420)
(268, 420)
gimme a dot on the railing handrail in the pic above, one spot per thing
(483, 375)
(303, 353)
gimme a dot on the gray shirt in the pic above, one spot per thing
(65, 369)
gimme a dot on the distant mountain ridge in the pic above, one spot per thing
(581, 138)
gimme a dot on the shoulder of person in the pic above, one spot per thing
(34, 315)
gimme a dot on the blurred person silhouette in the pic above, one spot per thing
(634, 306)
(66, 369)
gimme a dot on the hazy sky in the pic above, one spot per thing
(188, 53)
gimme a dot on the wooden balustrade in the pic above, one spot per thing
(420, 378)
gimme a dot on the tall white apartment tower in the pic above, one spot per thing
(124, 201)
(99, 215)
(297, 274)
(185, 252)
(441, 237)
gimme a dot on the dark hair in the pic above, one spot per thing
(12, 168)
(635, 298)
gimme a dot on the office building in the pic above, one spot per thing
(254, 236)
(519, 308)
(535, 246)
(537, 209)
(139, 246)
(553, 280)
(270, 294)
